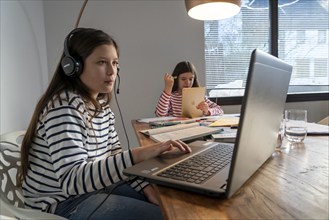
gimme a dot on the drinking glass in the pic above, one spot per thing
(295, 124)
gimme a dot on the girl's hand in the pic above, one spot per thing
(146, 152)
(203, 106)
(169, 83)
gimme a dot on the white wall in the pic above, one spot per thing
(23, 62)
(23, 75)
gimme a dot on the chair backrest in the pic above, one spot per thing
(11, 194)
(10, 144)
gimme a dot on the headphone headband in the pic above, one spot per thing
(70, 65)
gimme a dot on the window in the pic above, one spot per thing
(302, 42)
(300, 36)
(322, 36)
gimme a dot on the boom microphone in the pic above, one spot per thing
(118, 76)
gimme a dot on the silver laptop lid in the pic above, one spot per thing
(261, 113)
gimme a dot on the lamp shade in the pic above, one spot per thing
(212, 9)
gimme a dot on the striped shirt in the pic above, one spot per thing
(73, 154)
(171, 105)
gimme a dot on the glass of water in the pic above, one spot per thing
(295, 125)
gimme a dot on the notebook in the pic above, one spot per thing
(261, 111)
(191, 97)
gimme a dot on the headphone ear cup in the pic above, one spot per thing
(71, 66)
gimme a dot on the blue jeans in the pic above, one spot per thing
(115, 202)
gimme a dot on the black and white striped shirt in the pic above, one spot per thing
(73, 153)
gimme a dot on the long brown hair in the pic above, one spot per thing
(184, 67)
(81, 45)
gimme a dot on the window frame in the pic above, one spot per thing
(303, 97)
(273, 46)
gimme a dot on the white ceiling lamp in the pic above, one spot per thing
(212, 9)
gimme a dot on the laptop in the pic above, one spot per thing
(261, 112)
(191, 97)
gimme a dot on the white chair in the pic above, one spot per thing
(11, 195)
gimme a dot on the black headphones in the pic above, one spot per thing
(70, 65)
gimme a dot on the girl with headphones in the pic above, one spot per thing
(170, 102)
(71, 156)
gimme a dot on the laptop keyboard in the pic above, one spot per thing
(201, 167)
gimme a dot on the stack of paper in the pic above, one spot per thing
(226, 121)
(227, 135)
(182, 132)
(317, 129)
(170, 122)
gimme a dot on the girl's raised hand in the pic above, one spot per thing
(169, 83)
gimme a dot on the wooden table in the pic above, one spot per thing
(292, 184)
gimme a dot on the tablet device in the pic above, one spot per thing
(191, 97)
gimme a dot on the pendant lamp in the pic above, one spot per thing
(212, 9)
